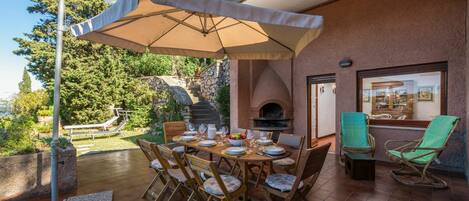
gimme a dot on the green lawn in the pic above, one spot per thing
(125, 140)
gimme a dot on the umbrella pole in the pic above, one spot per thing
(55, 128)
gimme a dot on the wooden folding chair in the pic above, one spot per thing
(175, 128)
(155, 164)
(294, 144)
(181, 177)
(296, 187)
(221, 187)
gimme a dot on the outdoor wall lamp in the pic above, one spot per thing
(345, 62)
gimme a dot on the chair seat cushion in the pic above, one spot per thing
(409, 155)
(284, 162)
(282, 182)
(179, 149)
(157, 165)
(232, 184)
(179, 175)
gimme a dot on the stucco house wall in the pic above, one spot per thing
(379, 34)
(467, 89)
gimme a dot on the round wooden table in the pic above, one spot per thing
(253, 155)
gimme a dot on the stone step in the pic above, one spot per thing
(205, 119)
(204, 122)
(198, 105)
(196, 109)
(203, 115)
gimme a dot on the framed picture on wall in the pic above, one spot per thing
(366, 95)
(425, 93)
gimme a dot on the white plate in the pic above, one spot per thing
(264, 142)
(235, 150)
(190, 133)
(274, 150)
(188, 138)
(207, 143)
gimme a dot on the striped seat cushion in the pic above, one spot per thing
(232, 184)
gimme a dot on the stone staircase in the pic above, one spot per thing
(204, 113)
(200, 110)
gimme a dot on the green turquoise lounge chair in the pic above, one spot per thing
(354, 136)
(416, 156)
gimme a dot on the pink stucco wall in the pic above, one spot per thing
(467, 88)
(378, 34)
(269, 79)
(253, 84)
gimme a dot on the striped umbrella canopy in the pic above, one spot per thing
(201, 28)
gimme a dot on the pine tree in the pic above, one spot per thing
(95, 77)
(25, 84)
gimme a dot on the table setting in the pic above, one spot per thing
(243, 145)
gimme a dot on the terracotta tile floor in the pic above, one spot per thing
(127, 174)
(327, 139)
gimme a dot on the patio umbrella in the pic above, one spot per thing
(199, 28)
(202, 28)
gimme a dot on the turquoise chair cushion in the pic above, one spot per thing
(435, 136)
(354, 130)
(408, 155)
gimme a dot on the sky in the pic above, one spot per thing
(15, 21)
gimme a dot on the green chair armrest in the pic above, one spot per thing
(372, 142)
(408, 143)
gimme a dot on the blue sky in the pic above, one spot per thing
(15, 20)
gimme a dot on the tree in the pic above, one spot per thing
(93, 74)
(25, 84)
(27, 104)
(148, 64)
(95, 77)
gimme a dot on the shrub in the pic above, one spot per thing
(137, 97)
(223, 100)
(169, 109)
(43, 127)
(140, 117)
(45, 111)
(16, 136)
(27, 104)
(63, 142)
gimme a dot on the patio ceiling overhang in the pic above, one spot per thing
(203, 28)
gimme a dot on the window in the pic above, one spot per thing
(403, 96)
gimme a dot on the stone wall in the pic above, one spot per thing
(28, 175)
(212, 79)
(190, 90)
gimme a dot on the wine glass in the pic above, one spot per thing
(263, 135)
(223, 132)
(202, 129)
(191, 126)
(250, 137)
